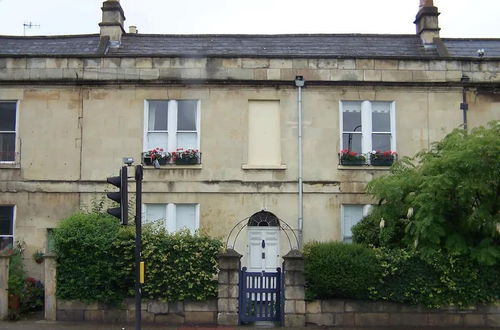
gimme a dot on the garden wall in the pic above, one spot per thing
(167, 313)
(339, 312)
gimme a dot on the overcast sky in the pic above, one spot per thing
(458, 19)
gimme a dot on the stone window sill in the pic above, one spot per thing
(174, 167)
(10, 165)
(263, 167)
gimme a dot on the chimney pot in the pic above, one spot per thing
(132, 29)
(426, 3)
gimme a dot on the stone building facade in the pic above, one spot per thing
(72, 106)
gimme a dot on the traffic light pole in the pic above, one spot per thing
(138, 244)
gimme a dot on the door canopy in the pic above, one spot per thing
(263, 219)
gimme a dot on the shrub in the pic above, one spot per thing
(448, 195)
(368, 231)
(409, 277)
(178, 266)
(87, 262)
(336, 269)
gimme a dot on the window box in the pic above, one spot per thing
(379, 158)
(191, 161)
(348, 157)
(352, 162)
(382, 162)
(148, 161)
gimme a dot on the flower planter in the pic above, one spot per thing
(382, 162)
(187, 161)
(352, 162)
(149, 162)
(14, 302)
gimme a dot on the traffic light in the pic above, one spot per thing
(121, 196)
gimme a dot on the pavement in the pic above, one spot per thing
(59, 325)
(35, 322)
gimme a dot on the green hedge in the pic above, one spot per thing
(95, 257)
(335, 270)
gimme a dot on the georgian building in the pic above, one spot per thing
(268, 115)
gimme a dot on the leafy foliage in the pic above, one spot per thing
(95, 258)
(442, 280)
(86, 259)
(179, 266)
(447, 198)
(335, 269)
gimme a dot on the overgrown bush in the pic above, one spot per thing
(446, 198)
(179, 266)
(87, 260)
(409, 277)
(371, 231)
(96, 261)
(336, 269)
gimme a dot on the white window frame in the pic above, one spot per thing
(366, 124)
(171, 214)
(13, 225)
(172, 124)
(366, 210)
(16, 132)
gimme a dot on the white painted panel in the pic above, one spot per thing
(270, 235)
(157, 140)
(186, 217)
(156, 213)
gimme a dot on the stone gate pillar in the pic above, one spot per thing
(227, 301)
(295, 305)
(4, 286)
(50, 287)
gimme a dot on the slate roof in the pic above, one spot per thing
(296, 45)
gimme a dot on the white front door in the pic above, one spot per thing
(263, 249)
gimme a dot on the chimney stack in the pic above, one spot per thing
(427, 22)
(112, 22)
(133, 29)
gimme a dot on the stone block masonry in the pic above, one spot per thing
(153, 311)
(355, 313)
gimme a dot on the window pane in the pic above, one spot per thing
(156, 213)
(157, 140)
(6, 219)
(186, 115)
(7, 146)
(351, 116)
(158, 116)
(352, 215)
(6, 243)
(185, 216)
(7, 116)
(381, 117)
(187, 140)
(351, 141)
(381, 142)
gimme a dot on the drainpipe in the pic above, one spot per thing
(299, 82)
(464, 106)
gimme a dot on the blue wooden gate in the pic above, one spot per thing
(260, 296)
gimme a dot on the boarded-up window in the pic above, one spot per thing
(264, 138)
